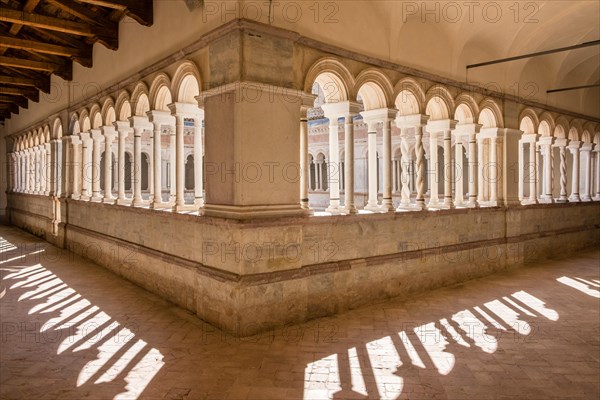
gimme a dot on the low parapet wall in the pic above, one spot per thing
(245, 277)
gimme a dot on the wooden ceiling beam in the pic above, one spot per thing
(31, 94)
(46, 48)
(65, 71)
(10, 107)
(139, 10)
(42, 84)
(18, 100)
(52, 23)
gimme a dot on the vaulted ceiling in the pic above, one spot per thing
(39, 38)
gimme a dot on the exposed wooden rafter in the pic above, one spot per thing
(40, 38)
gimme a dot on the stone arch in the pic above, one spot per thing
(528, 121)
(492, 115)
(46, 133)
(561, 128)
(186, 84)
(586, 137)
(333, 77)
(466, 110)
(574, 134)
(547, 124)
(96, 116)
(375, 89)
(108, 112)
(160, 93)
(409, 97)
(439, 103)
(140, 100)
(123, 106)
(57, 129)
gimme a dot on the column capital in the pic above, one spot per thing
(574, 144)
(586, 147)
(108, 131)
(379, 115)
(411, 121)
(185, 110)
(96, 134)
(560, 142)
(124, 126)
(161, 117)
(440, 125)
(545, 140)
(467, 129)
(341, 109)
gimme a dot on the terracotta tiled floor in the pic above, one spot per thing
(72, 330)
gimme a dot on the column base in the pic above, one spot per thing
(254, 212)
(108, 200)
(349, 211)
(75, 196)
(596, 198)
(84, 197)
(199, 202)
(155, 205)
(546, 200)
(574, 199)
(586, 199)
(185, 207)
(419, 205)
(334, 207)
(387, 207)
(373, 207)
(96, 199)
(123, 202)
(434, 204)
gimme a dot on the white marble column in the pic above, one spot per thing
(76, 160)
(349, 205)
(597, 173)
(65, 170)
(459, 195)
(48, 168)
(86, 166)
(533, 174)
(304, 167)
(137, 200)
(448, 170)
(36, 169)
(179, 165)
(334, 164)
(586, 160)
(574, 149)
(415, 122)
(494, 173)
(123, 130)
(433, 170)
(172, 167)
(109, 134)
(96, 156)
(386, 204)
(372, 171)
(160, 119)
(198, 162)
(473, 168)
(547, 154)
(561, 143)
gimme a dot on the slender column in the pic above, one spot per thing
(563, 170)
(199, 164)
(65, 168)
(405, 168)
(386, 204)
(539, 182)
(334, 164)
(76, 167)
(372, 203)
(109, 135)
(586, 150)
(86, 166)
(597, 151)
(96, 154)
(480, 166)
(574, 148)
(137, 166)
(433, 162)
(473, 166)
(459, 197)
(173, 167)
(349, 165)
(532, 172)
(47, 169)
(318, 174)
(493, 167)
(448, 169)
(157, 201)
(55, 156)
(123, 132)
(180, 164)
(548, 172)
(42, 174)
(36, 169)
(420, 154)
(304, 168)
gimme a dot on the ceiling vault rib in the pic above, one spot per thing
(537, 54)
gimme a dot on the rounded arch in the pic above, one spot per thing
(586, 137)
(46, 133)
(466, 109)
(96, 116)
(123, 106)
(334, 79)
(439, 103)
(140, 100)
(57, 129)
(187, 83)
(409, 97)
(375, 89)
(547, 124)
(39, 135)
(108, 111)
(528, 121)
(492, 117)
(561, 128)
(160, 93)
(574, 133)
(30, 140)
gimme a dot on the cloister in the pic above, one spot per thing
(206, 176)
(392, 127)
